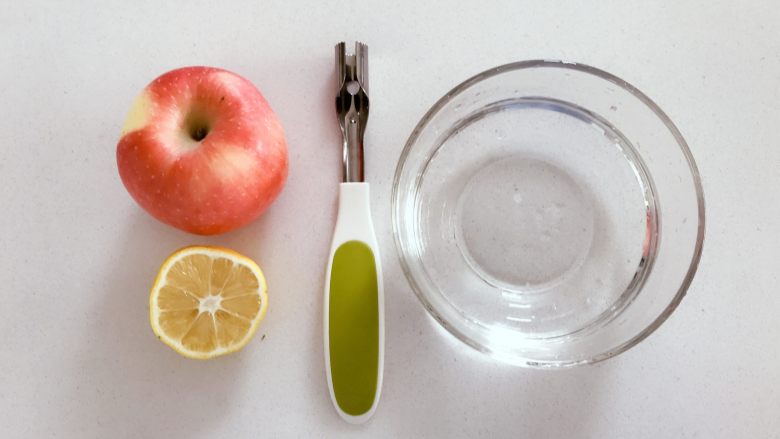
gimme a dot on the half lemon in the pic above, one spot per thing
(207, 301)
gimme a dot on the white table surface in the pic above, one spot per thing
(77, 357)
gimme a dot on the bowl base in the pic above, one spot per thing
(554, 245)
(524, 224)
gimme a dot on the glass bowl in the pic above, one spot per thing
(548, 214)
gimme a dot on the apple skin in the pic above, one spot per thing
(202, 150)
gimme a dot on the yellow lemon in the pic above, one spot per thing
(207, 301)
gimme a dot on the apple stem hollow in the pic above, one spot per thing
(197, 126)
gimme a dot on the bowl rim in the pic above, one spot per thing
(584, 68)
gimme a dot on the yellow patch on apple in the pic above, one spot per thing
(139, 113)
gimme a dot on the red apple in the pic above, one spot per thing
(202, 150)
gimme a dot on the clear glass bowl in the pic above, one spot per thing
(548, 214)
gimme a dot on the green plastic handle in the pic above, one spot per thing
(353, 315)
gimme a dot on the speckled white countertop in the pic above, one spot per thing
(77, 357)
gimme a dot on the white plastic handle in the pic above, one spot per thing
(354, 325)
